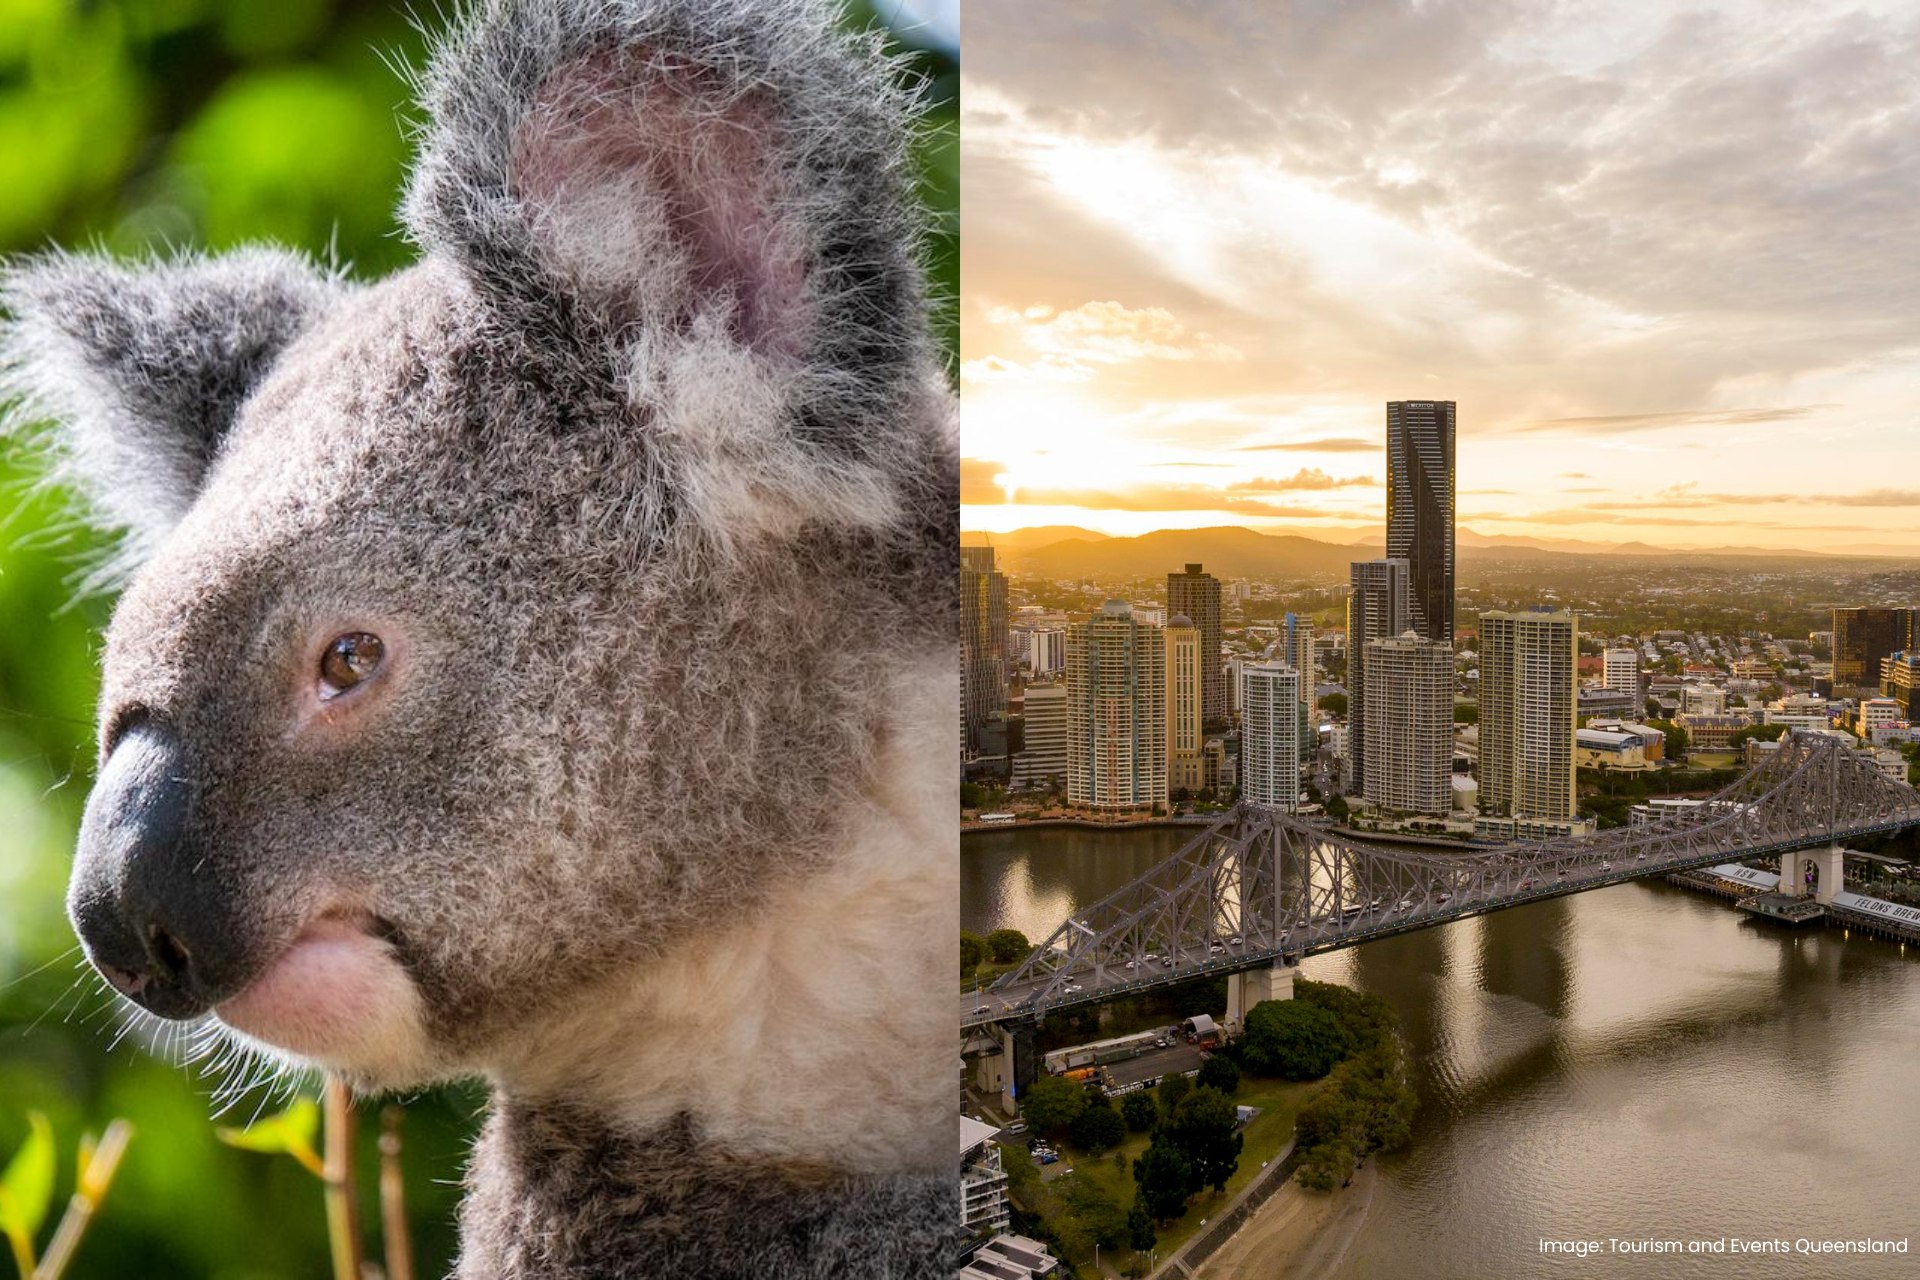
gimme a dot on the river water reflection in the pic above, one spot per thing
(1630, 1063)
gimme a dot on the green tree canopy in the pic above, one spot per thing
(1007, 945)
(1140, 1233)
(1052, 1104)
(1099, 1127)
(1171, 1089)
(1140, 1111)
(1335, 703)
(972, 952)
(1164, 1179)
(1293, 1039)
(1219, 1072)
(1205, 1129)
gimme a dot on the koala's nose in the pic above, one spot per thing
(150, 914)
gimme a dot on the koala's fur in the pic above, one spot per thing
(647, 473)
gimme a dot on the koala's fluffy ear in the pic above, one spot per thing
(139, 369)
(628, 168)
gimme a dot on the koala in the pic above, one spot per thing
(539, 665)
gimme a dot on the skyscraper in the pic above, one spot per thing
(1862, 638)
(1376, 609)
(1270, 735)
(1197, 594)
(1185, 768)
(1528, 665)
(1420, 508)
(1116, 711)
(983, 643)
(1296, 650)
(1409, 716)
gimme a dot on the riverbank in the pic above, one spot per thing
(1296, 1233)
(1085, 823)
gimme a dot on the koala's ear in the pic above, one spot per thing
(139, 369)
(653, 165)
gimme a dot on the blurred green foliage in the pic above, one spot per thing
(138, 127)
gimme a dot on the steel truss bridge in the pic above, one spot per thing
(1260, 886)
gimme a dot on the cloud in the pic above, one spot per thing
(1109, 333)
(1607, 423)
(1343, 444)
(981, 484)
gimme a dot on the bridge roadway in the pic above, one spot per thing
(1185, 919)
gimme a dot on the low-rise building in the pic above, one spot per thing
(1713, 732)
(983, 1179)
(1615, 749)
(1010, 1257)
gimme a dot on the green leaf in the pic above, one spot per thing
(26, 1189)
(284, 1132)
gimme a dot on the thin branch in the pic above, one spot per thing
(393, 1198)
(343, 1206)
(96, 1178)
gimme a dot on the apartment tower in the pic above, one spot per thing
(983, 644)
(1528, 666)
(1185, 768)
(1409, 743)
(1270, 724)
(1116, 711)
(1196, 594)
(1377, 609)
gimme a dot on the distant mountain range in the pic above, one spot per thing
(1231, 551)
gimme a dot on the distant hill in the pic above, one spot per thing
(1231, 551)
(1028, 539)
(1227, 552)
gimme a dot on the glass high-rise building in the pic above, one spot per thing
(1116, 711)
(983, 644)
(1420, 508)
(1862, 638)
(1196, 594)
(1377, 609)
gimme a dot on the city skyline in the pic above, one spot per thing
(1655, 259)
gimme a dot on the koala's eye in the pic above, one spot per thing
(349, 660)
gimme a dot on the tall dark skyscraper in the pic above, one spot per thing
(1862, 637)
(983, 643)
(1420, 508)
(1197, 595)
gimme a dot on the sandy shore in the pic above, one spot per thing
(1298, 1234)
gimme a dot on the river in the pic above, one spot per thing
(1632, 1063)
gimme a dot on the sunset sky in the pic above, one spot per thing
(1666, 258)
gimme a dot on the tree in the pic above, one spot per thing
(972, 952)
(1099, 1213)
(1466, 713)
(1139, 1110)
(1334, 702)
(1338, 809)
(1326, 1167)
(1676, 745)
(1098, 1127)
(1007, 945)
(1219, 1072)
(1293, 1039)
(1171, 1089)
(1163, 1176)
(1140, 1233)
(1205, 1128)
(1756, 733)
(1053, 1104)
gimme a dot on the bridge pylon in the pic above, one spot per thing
(1251, 986)
(1827, 866)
